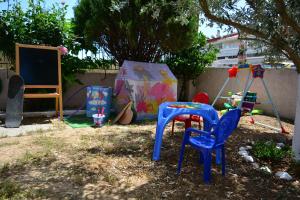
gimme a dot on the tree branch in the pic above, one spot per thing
(281, 9)
(243, 28)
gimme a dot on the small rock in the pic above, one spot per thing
(266, 169)
(284, 176)
(248, 147)
(248, 158)
(268, 142)
(243, 153)
(255, 165)
(250, 141)
(296, 183)
(228, 194)
(242, 149)
(166, 193)
(280, 144)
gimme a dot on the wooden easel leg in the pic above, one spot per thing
(56, 104)
(61, 114)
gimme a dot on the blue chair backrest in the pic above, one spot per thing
(226, 125)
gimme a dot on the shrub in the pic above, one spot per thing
(268, 151)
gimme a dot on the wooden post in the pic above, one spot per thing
(61, 115)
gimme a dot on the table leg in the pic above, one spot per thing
(158, 141)
(187, 123)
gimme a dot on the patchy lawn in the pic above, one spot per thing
(114, 162)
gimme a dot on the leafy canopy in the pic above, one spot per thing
(135, 29)
(35, 25)
(274, 22)
(40, 25)
(189, 63)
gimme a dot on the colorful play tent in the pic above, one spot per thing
(147, 85)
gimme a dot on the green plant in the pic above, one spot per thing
(134, 29)
(35, 25)
(9, 189)
(4, 169)
(269, 151)
(189, 63)
(38, 25)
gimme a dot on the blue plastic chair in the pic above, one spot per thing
(207, 142)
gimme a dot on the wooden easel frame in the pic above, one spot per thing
(58, 94)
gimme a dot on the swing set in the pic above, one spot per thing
(247, 100)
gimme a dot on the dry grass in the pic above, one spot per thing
(114, 162)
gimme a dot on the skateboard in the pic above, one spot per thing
(14, 104)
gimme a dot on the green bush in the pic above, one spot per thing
(268, 151)
(189, 63)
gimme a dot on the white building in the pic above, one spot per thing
(229, 46)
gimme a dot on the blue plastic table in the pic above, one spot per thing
(168, 110)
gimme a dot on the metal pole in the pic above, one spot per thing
(271, 101)
(221, 91)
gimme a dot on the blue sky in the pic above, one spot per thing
(208, 31)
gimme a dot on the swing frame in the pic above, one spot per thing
(257, 72)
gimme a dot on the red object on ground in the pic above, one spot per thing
(283, 130)
(200, 97)
(251, 120)
(233, 72)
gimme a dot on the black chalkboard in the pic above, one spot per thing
(38, 66)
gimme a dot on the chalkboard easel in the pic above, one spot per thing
(40, 67)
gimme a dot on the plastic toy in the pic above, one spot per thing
(98, 119)
(98, 97)
(248, 99)
(208, 141)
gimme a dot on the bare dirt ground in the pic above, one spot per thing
(114, 162)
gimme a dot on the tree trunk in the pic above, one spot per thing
(183, 90)
(296, 137)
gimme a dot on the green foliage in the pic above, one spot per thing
(38, 25)
(35, 25)
(268, 151)
(9, 189)
(135, 29)
(189, 63)
(275, 23)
